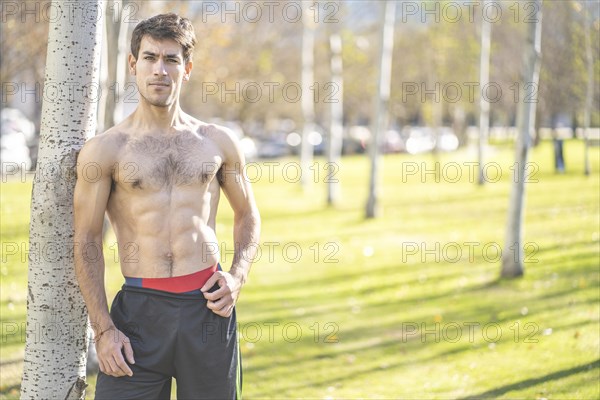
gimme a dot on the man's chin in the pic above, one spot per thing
(160, 102)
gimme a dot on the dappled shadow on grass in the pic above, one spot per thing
(456, 310)
(340, 278)
(534, 381)
(318, 213)
(10, 376)
(576, 325)
(360, 371)
(316, 303)
(566, 244)
(11, 363)
(589, 259)
(337, 285)
(362, 346)
(12, 391)
(360, 339)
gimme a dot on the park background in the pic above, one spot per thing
(409, 304)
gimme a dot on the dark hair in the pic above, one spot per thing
(165, 26)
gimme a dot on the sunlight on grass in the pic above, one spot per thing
(405, 306)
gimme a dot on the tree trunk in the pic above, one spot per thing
(589, 55)
(108, 70)
(334, 150)
(388, 14)
(512, 256)
(484, 105)
(308, 103)
(121, 112)
(56, 339)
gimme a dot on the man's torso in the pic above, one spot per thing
(163, 200)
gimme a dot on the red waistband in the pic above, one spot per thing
(175, 284)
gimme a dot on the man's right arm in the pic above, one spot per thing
(92, 190)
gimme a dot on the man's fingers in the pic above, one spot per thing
(217, 294)
(102, 366)
(211, 281)
(222, 300)
(122, 366)
(222, 307)
(212, 305)
(225, 311)
(219, 304)
(128, 350)
(112, 369)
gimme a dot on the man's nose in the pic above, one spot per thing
(159, 67)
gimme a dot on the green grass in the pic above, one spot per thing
(373, 309)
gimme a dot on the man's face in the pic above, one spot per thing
(159, 70)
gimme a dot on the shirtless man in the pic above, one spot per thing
(158, 175)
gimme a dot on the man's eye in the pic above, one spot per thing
(148, 58)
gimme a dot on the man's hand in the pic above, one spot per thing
(110, 347)
(222, 300)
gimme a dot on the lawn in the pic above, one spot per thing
(408, 305)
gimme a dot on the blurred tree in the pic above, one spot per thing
(307, 101)
(562, 80)
(358, 75)
(508, 41)
(108, 68)
(512, 256)
(440, 60)
(484, 104)
(381, 120)
(336, 128)
(589, 93)
(23, 48)
(56, 341)
(246, 71)
(262, 55)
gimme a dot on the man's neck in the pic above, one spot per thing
(149, 118)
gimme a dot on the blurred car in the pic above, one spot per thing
(447, 140)
(420, 139)
(248, 146)
(17, 133)
(392, 142)
(355, 139)
(425, 139)
(272, 148)
(315, 138)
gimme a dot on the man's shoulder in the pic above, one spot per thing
(113, 137)
(211, 130)
(104, 147)
(220, 133)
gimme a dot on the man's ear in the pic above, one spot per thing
(188, 70)
(131, 62)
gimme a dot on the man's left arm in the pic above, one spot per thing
(246, 229)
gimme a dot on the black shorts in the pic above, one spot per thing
(174, 336)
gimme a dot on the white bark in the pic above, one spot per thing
(56, 338)
(589, 55)
(380, 124)
(334, 150)
(108, 70)
(121, 67)
(512, 255)
(484, 105)
(307, 102)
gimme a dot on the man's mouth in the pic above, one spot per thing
(158, 84)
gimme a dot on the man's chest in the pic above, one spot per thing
(158, 162)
